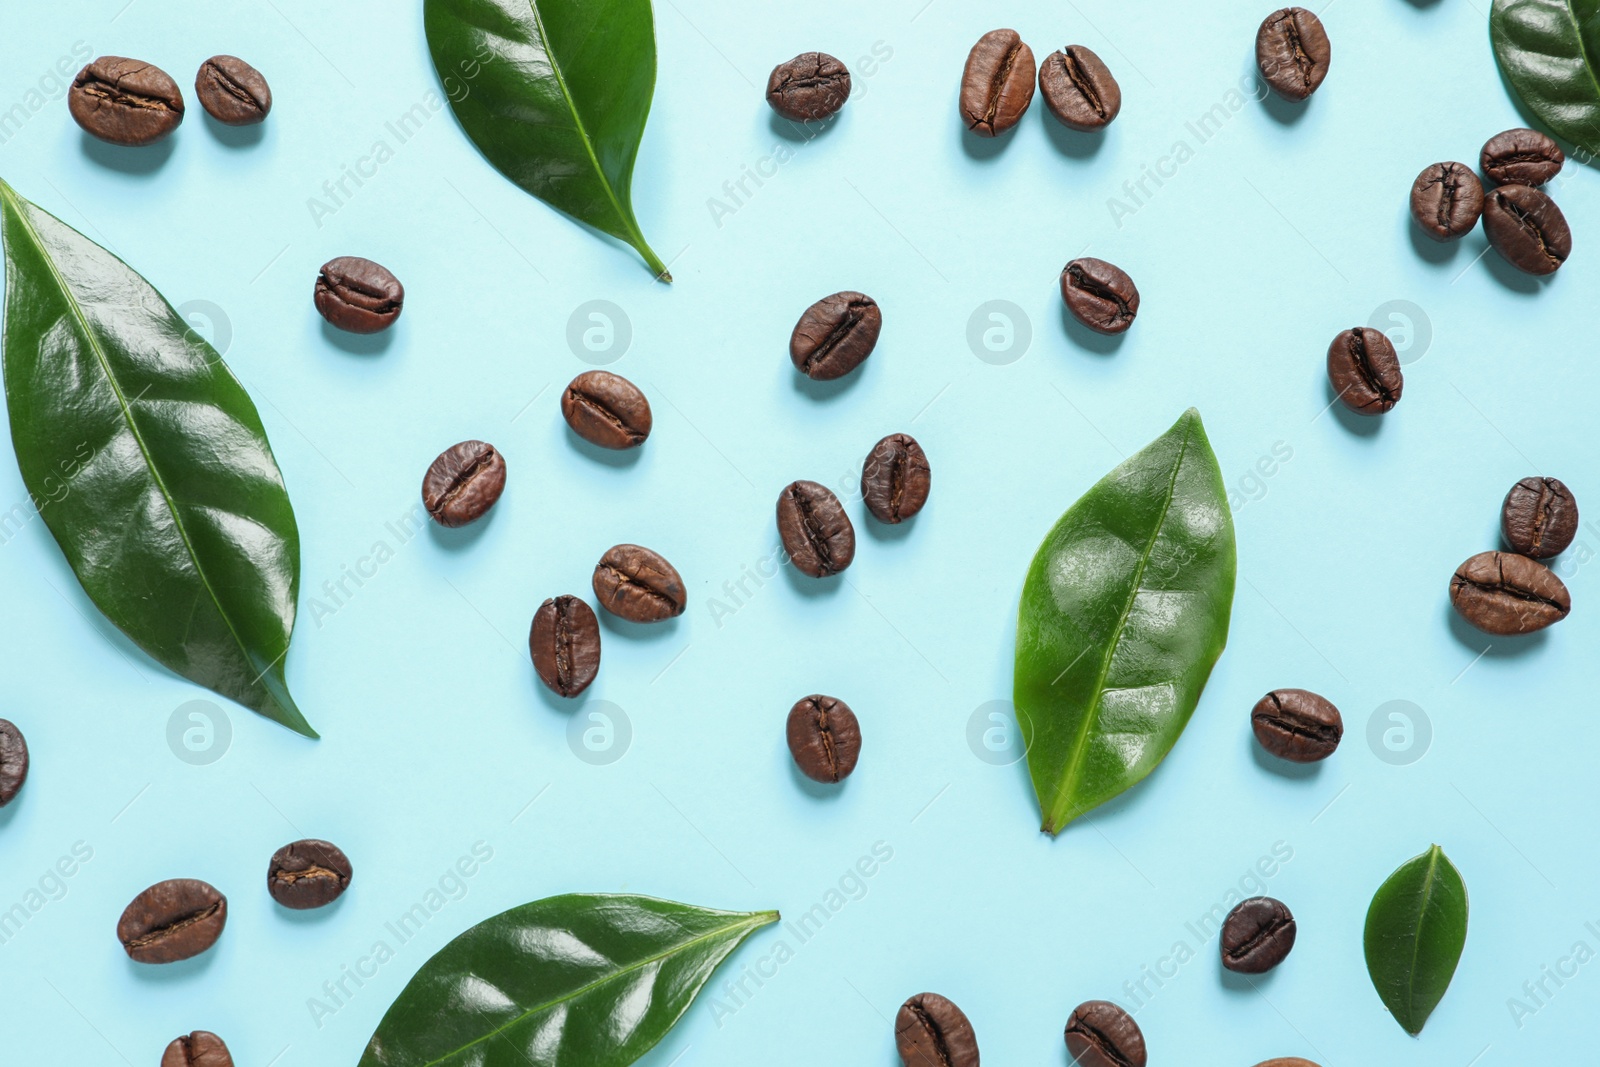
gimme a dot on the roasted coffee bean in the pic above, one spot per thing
(997, 85)
(1505, 594)
(1446, 201)
(1365, 370)
(811, 86)
(930, 1031)
(1539, 518)
(1287, 1061)
(1527, 228)
(1298, 726)
(1257, 936)
(308, 874)
(199, 1049)
(835, 335)
(464, 483)
(1099, 295)
(125, 102)
(895, 479)
(1521, 157)
(172, 921)
(358, 295)
(232, 91)
(1078, 89)
(1100, 1034)
(824, 738)
(815, 529)
(565, 645)
(606, 409)
(638, 585)
(13, 762)
(1292, 52)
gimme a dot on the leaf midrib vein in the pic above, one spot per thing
(1429, 879)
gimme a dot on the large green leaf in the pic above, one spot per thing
(555, 94)
(1550, 52)
(149, 464)
(1124, 613)
(1416, 929)
(584, 980)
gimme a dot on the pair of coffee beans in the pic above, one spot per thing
(1100, 1034)
(1297, 725)
(463, 483)
(1257, 936)
(930, 1031)
(1364, 370)
(638, 585)
(824, 738)
(131, 103)
(199, 1049)
(1293, 53)
(1099, 295)
(835, 335)
(808, 88)
(1520, 220)
(997, 85)
(13, 762)
(1511, 593)
(308, 874)
(564, 643)
(357, 295)
(607, 410)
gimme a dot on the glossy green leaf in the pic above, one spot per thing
(1416, 929)
(148, 463)
(1550, 52)
(1124, 613)
(584, 980)
(555, 94)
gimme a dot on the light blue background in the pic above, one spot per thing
(1284, 227)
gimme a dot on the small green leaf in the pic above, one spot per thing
(1416, 929)
(1550, 53)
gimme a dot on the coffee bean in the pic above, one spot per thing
(895, 479)
(824, 738)
(1539, 518)
(308, 874)
(1099, 295)
(358, 295)
(815, 529)
(606, 409)
(997, 85)
(463, 483)
(1527, 228)
(1078, 89)
(1292, 52)
(232, 91)
(172, 921)
(1521, 157)
(199, 1049)
(565, 645)
(1365, 370)
(811, 86)
(638, 585)
(930, 1031)
(835, 335)
(13, 762)
(1505, 594)
(1446, 201)
(125, 102)
(1100, 1034)
(1287, 1061)
(1298, 726)
(1257, 936)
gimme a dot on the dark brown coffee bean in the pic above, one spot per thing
(1100, 1034)
(1079, 89)
(606, 409)
(232, 91)
(13, 762)
(199, 1049)
(1293, 52)
(1365, 371)
(464, 483)
(835, 335)
(1099, 295)
(565, 645)
(930, 1031)
(824, 738)
(816, 531)
(172, 921)
(125, 102)
(1446, 201)
(639, 585)
(358, 295)
(1521, 157)
(1539, 518)
(1527, 228)
(895, 479)
(308, 874)
(1257, 936)
(811, 86)
(997, 85)
(1506, 594)
(1298, 726)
